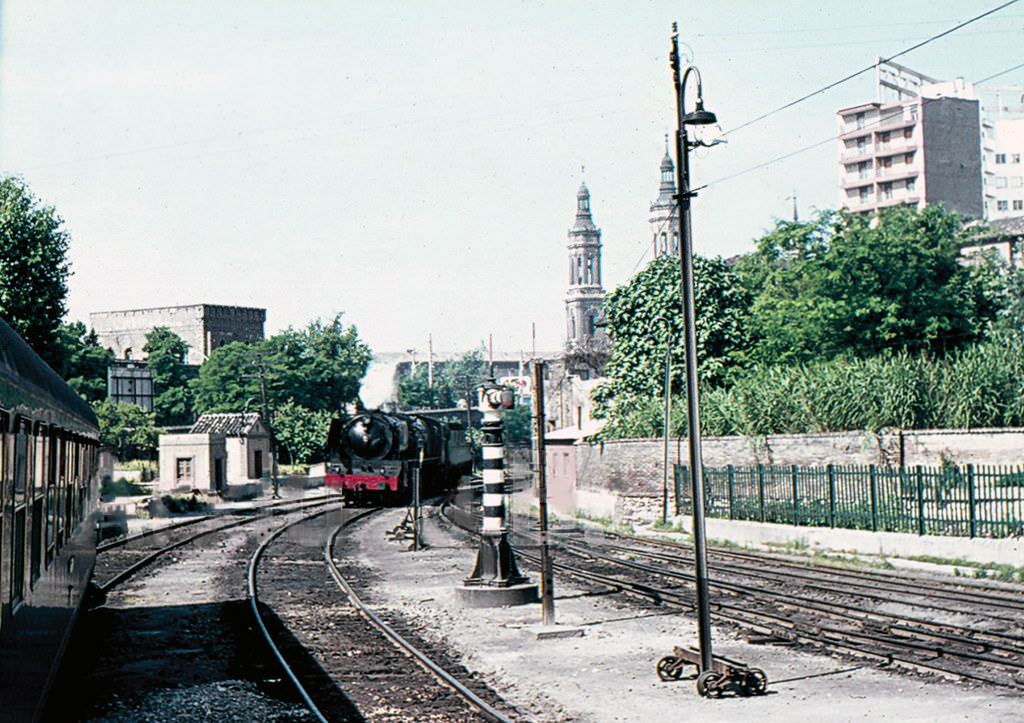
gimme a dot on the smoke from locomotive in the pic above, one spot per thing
(372, 455)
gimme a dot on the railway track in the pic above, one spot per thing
(972, 633)
(385, 672)
(173, 639)
(118, 560)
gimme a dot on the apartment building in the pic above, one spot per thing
(915, 152)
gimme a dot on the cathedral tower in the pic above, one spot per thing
(664, 215)
(584, 296)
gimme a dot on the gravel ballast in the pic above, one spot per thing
(607, 673)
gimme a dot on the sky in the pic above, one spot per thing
(414, 165)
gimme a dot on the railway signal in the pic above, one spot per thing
(496, 580)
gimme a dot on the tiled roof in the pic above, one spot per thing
(996, 228)
(1012, 225)
(238, 424)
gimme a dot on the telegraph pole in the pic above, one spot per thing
(547, 592)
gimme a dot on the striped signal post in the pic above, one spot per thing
(496, 580)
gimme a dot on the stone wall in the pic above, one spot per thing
(627, 476)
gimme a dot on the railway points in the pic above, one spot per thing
(609, 672)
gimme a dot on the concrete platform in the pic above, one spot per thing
(609, 672)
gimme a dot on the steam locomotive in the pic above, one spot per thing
(372, 455)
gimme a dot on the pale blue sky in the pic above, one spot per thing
(415, 164)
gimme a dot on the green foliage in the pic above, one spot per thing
(841, 323)
(302, 431)
(518, 421)
(83, 362)
(318, 368)
(450, 380)
(226, 379)
(645, 320)
(34, 269)
(846, 285)
(173, 396)
(979, 386)
(122, 488)
(127, 428)
(644, 316)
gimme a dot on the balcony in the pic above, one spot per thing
(855, 180)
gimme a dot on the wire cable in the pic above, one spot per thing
(832, 85)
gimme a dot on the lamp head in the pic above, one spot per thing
(700, 117)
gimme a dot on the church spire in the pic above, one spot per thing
(584, 295)
(664, 215)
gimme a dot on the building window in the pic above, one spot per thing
(883, 138)
(1016, 181)
(1018, 205)
(1002, 205)
(864, 195)
(1000, 158)
(862, 144)
(908, 132)
(1000, 181)
(860, 120)
(908, 159)
(184, 470)
(887, 191)
(862, 167)
(910, 184)
(1015, 158)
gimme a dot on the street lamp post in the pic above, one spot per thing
(698, 117)
(721, 674)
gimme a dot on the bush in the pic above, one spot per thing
(122, 488)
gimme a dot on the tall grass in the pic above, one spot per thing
(978, 386)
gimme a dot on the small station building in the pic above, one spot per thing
(218, 453)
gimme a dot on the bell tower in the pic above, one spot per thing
(664, 215)
(584, 296)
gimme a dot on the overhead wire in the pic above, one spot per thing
(874, 65)
(830, 139)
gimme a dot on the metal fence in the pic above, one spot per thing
(948, 500)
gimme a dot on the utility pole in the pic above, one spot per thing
(266, 420)
(547, 592)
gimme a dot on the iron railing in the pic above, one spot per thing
(958, 501)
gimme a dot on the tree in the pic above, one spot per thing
(127, 428)
(303, 432)
(226, 379)
(83, 361)
(450, 380)
(34, 269)
(849, 285)
(165, 357)
(318, 368)
(645, 315)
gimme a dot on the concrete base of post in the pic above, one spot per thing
(496, 580)
(481, 596)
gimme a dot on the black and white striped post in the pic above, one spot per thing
(496, 580)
